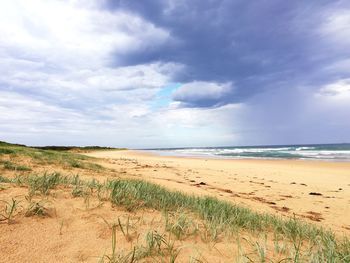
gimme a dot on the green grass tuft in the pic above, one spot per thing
(43, 184)
(15, 167)
(4, 179)
(9, 211)
(6, 151)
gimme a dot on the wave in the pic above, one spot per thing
(267, 154)
(318, 152)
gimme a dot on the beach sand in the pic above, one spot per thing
(78, 227)
(316, 191)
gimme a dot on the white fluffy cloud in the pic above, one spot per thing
(200, 93)
(26, 120)
(65, 46)
(338, 91)
(71, 33)
(61, 81)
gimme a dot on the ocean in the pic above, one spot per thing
(331, 152)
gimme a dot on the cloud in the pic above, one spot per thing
(27, 120)
(154, 75)
(339, 90)
(297, 115)
(68, 36)
(70, 31)
(61, 82)
(183, 126)
(203, 94)
(249, 72)
(60, 52)
(259, 46)
(60, 74)
(23, 115)
(336, 26)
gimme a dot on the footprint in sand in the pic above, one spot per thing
(199, 184)
(315, 193)
(287, 196)
(281, 209)
(314, 216)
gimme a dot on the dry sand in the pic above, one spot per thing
(317, 191)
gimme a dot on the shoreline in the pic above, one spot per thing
(234, 158)
(318, 192)
(317, 152)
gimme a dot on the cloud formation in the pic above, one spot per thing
(174, 73)
(203, 94)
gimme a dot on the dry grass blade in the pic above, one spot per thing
(9, 211)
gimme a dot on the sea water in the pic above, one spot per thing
(335, 152)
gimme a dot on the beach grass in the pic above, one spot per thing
(44, 156)
(9, 210)
(296, 240)
(13, 166)
(225, 216)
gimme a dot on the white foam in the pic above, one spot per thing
(302, 152)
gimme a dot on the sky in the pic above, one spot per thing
(174, 73)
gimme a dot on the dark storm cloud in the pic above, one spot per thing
(258, 45)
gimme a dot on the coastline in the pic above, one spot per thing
(304, 188)
(164, 153)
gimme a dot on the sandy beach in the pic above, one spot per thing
(60, 206)
(174, 131)
(316, 191)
